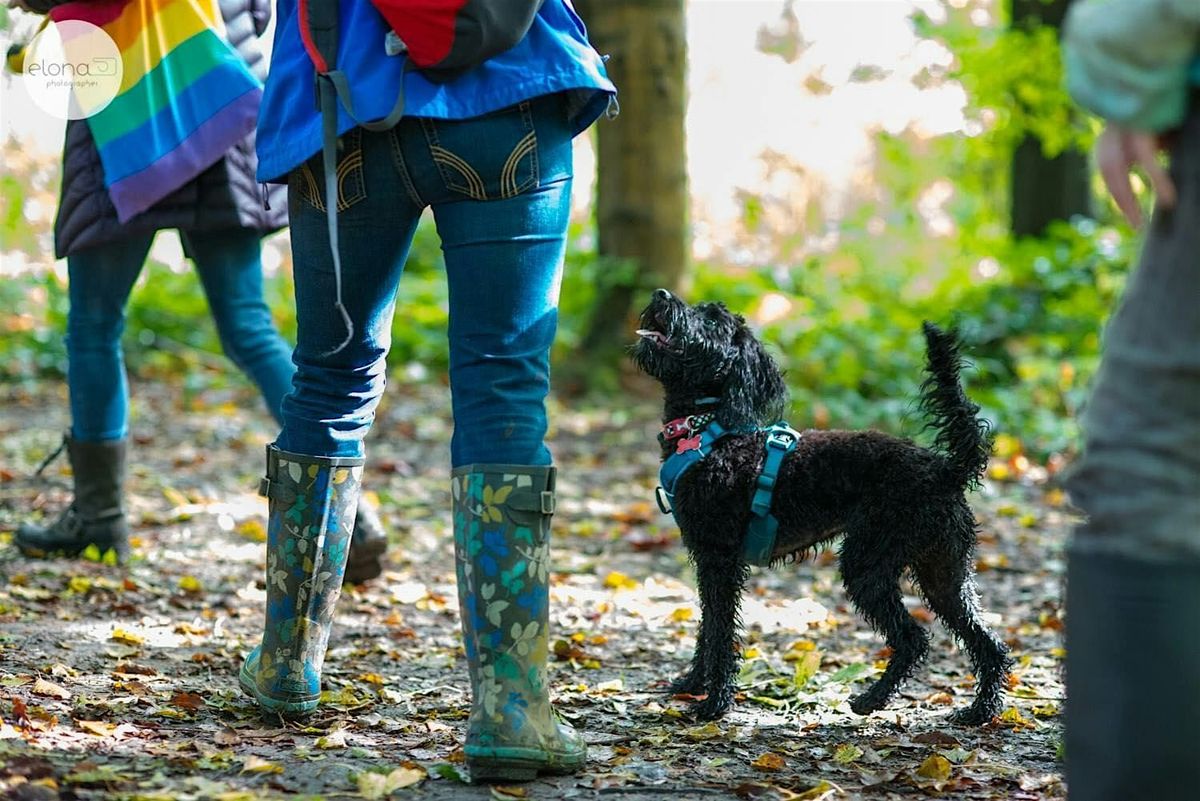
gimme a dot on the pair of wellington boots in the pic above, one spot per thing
(96, 518)
(501, 536)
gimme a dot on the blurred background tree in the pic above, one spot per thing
(641, 180)
(837, 172)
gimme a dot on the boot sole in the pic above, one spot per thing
(519, 767)
(72, 552)
(285, 708)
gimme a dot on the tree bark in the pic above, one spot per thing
(642, 188)
(1045, 190)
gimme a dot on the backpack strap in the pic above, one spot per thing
(319, 34)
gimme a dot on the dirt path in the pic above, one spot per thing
(121, 684)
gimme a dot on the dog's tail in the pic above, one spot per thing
(962, 438)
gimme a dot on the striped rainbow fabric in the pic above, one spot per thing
(186, 96)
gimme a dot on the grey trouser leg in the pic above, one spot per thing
(1139, 477)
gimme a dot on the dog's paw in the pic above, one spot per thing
(714, 706)
(976, 714)
(690, 683)
(870, 701)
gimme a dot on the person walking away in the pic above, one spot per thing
(1133, 572)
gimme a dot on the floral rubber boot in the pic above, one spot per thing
(502, 554)
(312, 502)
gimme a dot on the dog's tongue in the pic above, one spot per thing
(657, 336)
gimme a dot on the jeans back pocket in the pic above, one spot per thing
(308, 180)
(486, 158)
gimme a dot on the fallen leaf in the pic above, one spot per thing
(50, 689)
(935, 767)
(127, 637)
(253, 764)
(378, 785)
(332, 741)
(820, 792)
(619, 581)
(846, 753)
(252, 529)
(190, 584)
(769, 762)
(227, 737)
(709, 731)
(97, 727)
(188, 701)
(502, 792)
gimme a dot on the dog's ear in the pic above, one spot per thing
(754, 393)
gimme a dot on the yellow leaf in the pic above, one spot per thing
(681, 614)
(806, 667)
(709, 731)
(769, 762)
(97, 727)
(253, 764)
(252, 529)
(127, 637)
(378, 785)
(190, 584)
(820, 792)
(502, 793)
(79, 584)
(50, 689)
(1012, 717)
(846, 753)
(935, 767)
(332, 741)
(619, 581)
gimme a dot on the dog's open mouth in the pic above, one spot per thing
(657, 337)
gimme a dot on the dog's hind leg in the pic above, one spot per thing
(946, 582)
(873, 584)
(720, 583)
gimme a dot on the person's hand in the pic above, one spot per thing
(1118, 151)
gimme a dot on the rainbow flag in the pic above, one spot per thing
(186, 96)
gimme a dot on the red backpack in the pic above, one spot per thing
(441, 38)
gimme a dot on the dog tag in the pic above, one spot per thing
(688, 444)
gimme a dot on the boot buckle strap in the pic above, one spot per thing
(276, 491)
(548, 502)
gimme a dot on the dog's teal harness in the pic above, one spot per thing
(781, 440)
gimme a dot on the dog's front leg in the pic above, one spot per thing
(721, 580)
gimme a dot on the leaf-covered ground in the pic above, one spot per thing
(121, 683)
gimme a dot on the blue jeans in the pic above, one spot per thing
(500, 189)
(100, 280)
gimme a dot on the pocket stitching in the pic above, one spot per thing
(349, 168)
(449, 164)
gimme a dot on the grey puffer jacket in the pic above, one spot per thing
(223, 196)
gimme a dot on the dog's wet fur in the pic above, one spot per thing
(899, 508)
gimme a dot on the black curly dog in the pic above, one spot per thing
(899, 506)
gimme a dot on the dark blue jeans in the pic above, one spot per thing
(100, 280)
(500, 190)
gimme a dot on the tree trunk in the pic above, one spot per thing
(642, 192)
(1045, 190)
